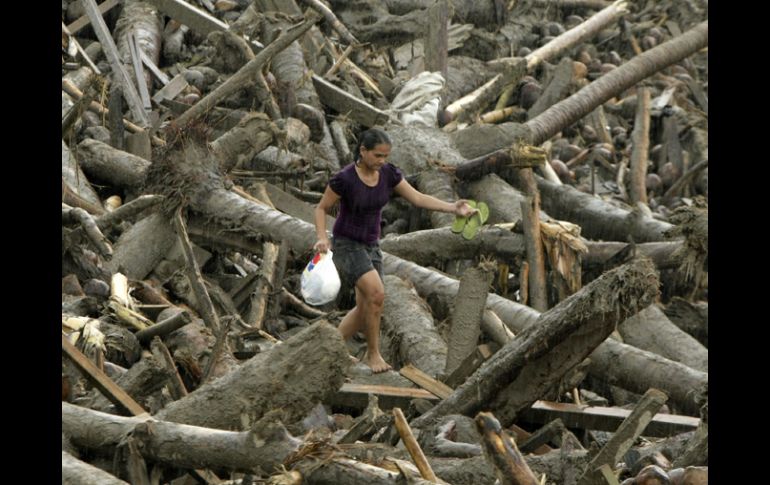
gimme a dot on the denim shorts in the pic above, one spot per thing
(353, 259)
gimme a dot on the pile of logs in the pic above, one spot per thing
(567, 343)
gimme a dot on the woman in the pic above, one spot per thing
(363, 188)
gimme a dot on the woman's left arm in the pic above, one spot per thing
(425, 201)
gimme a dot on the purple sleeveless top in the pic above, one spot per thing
(360, 205)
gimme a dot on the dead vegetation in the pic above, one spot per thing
(565, 343)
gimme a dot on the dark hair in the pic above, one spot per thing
(370, 139)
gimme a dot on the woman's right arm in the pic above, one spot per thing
(324, 206)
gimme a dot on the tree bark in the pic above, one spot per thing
(407, 320)
(139, 250)
(439, 185)
(254, 133)
(304, 370)
(530, 209)
(598, 219)
(503, 200)
(140, 381)
(107, 164)
(693, 318)
(76, 472)
(430, 246)
(465, 327)
(651, 330)
(265, 446)
(592, 312)
(637, 370)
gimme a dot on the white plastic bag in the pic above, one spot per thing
(320, 282)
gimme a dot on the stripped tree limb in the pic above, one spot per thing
(640, 138)
(334, 22)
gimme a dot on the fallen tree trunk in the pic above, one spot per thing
(407, 320)
(140, 381)
(107, 164)
(598, 219)
(637, 370)
(139, 249)
(439, 185)
(263, 447)
(651, 330)
(663, 253)
(439, 245)
(76, 472)
(253, 134)
(693, 318)
(535, 361)
(305, 369)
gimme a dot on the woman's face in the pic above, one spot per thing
(375, 158)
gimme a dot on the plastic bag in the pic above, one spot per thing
(320, 282)
(418, 101)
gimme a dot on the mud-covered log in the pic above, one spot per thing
(503, 200)
(304, 370)
(76, 472)
(651, 330)
(662, 253)
(465, 327)
(253, 134)
(344, 471)
(439, 185)
(107, 164)
(637, 370)
(439, 245)
(406, 318)
(264, 446)
(140, 381)
(543, 353)
(598, 220)
(142, 247)
(693, 318)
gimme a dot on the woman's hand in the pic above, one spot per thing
(322, 245)
(462, 208)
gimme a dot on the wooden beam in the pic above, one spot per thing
(100, 380)
(425, 381)
(111, 52)
(344, 103)
(357, 396)
(605, 418)
(195, 18)
(80, 23)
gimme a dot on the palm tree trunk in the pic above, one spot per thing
(572, 109)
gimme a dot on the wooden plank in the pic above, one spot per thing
(344, 103)
(100, 380)
(425, 381)
(357, 396)
(111, 52)
(136, 61)
(80, 49)
(195, 18)
(605, 418)
(78, 24)
(155, 70)
(171, 90)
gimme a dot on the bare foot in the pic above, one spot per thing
(376, 363)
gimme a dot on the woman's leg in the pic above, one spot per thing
(370, 297)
